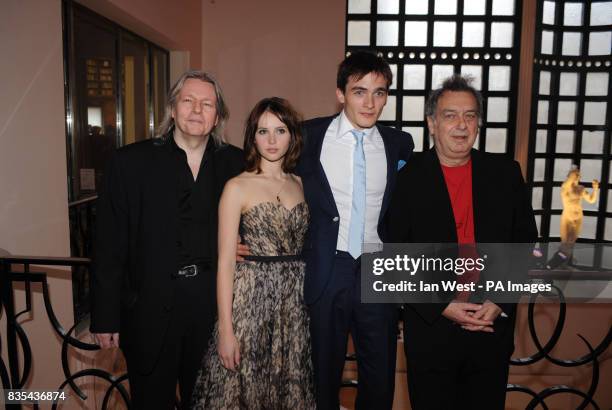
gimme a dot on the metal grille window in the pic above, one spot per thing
(570, 120)
(426, 41)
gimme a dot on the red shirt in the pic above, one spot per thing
(459, 185)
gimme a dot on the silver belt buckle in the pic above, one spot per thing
(189, 272)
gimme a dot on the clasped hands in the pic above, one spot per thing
(472, 316)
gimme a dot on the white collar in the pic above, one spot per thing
(345, 127)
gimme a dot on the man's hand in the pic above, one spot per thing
(489, 312)
(464, 314)
(241, 250)
(107, 340)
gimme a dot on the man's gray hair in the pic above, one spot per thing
(167, 124)
(456, 82)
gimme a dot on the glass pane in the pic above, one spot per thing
(416, 6)
(388, 6)
(565, 141)
(609, 208)
(589, 227)
(590, 169)
(600, 43)
(503, 7)
(562, 167)
(496, 140)
(160, 85)
(538, 170)
(445, 7)
(473, 35)
(556, 202)
(497, 109)
(499, 78)
(417, 136)
(412, 109)
(388, 113)
(135, 120)
(594, 113)
(593, 143)
(501, 34)
(555, 221)
(386, 33)
(566, 113)
(538, 220)
(568, 84)
(474, 72)
(536, 197)
(571, 44)
(358, 33)
(540, 141)
(597, 84)
(542, 112)
(474, 7)
(573, 14)
(548, 15)
(547, 42)
(414, 77)
(544, 83)
(359, 6)
(415, 33)
(601, 13)
(439, 73)
(393, 85)
(444, 34)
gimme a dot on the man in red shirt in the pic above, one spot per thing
(458, 352)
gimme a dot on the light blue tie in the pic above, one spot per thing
(357, 225)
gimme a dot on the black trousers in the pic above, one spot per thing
(452, 368)
(185, 342)
(373, 328)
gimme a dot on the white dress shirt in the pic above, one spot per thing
(337, 160)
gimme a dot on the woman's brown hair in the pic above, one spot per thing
(283, 110)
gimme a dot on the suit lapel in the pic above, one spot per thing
(444, 218)
(318, 135)
(391, 170)
(479, 190)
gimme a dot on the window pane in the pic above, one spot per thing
(542, 112)
(544, 83)
(412, 109)
(538, 170)
(503, 7)
(590, 169)
(499, 78)
(496, 140)
(445, 7)
(414, 77)
(555, 221)
(568, 84)
(556, 202)
(473, 34)
(359, 6)
(416, 6)
(444, 34)
(562, 167)
(358, 33)
(135, 82)
(415, 33)
(594, 113)
(571, 44)
(566, 113)
(548, 15)
(439, 73)
(573, 14)
(393, 85)
(386, 33)
(593, 143)
(601, 13)
(417, 136)
(474, 7)
(475, 72)
(565, 141)
(540, 141)
(589, 226)
(599, 43)
(547, 42)
(501, 34)
(536, 197)
(497, 109)
(597, 84)
(388, 6)
(388, 113)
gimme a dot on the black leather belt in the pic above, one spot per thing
(190, 271)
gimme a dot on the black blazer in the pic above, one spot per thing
(320, 244)
(136, 243)
(421, 211)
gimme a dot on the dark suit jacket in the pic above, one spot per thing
(421, 211)
(320, 245)
(136, 246)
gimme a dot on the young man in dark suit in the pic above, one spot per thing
(153, 277)
(458, 353)
(348, 168)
